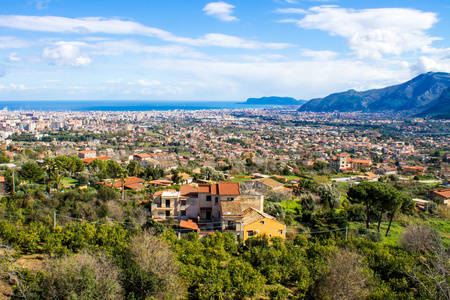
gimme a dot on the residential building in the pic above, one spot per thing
(257, 222)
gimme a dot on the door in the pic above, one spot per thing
(208, 215)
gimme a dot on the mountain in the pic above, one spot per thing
(439, 107)
(274, 101)
(419, 93)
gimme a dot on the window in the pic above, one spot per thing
(250, 233)
(183, 202)
(230, 199)
(167, 203)
(167, 213)
(216, 200)
(281, 231)
(208, 198)
(183, 213)
(262, 222)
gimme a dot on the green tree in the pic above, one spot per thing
(135, 168)
(31, 171)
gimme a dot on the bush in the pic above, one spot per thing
(419, 238)
(374, 236)
(150, 269)
(277, 292)
(80, 276)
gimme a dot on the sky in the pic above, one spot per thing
(215, 51)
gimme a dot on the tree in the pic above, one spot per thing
(98, 167)
(379, 198)
(31, 171)
(176, 177)
(347, 277)
(209, 173)
(150, 269)
(81, 276)
(123, 175)
(135, 168)
(330, 196)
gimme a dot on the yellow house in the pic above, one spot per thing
(257, 222)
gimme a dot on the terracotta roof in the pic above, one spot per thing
(414, 168)
(231, 208)
(252, 215)
(443, 193)
(221, 188)
(134, 186)
(142, 155)
(270, 182)
(184, 176)
(89, 160)
(189, 225)
(188, 191)
(86, 151)
(161, 182)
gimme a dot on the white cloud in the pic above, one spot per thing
(13, 42)
(247, 79)
(13, 86)
(119, 47)
(41, 4)
(292, 11)
(373, 33)
(114, 26)
(320, 55)
(426, 64)
(220, 10)
(146, 82)
(67, 53)
(114, 81)
(12, 57)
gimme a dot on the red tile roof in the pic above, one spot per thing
(188, 191)
(89, 160)
(221, 188)
(189, 225)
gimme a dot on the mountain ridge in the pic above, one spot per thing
(274, 100)
(419, 93)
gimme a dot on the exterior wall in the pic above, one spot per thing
(192, 209)
(270, 227)
(159, 208)
(213, 204)
(257, 202)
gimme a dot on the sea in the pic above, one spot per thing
(122, 105)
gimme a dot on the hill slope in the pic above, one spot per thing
(440, 106)
(418, 93)
(274, 101)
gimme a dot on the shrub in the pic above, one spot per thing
(81, 276)
(419, 238)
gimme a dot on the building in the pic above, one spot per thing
(414, 170)
(257, 222)
(441, 195)
(218, 206)
(343, 162)
(87, 154)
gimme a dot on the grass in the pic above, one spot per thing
(291, 205)
(441, 225)
(240, 179)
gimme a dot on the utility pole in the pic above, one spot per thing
(54, 219)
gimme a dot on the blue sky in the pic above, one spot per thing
(219, 50)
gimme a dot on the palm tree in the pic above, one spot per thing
(135, 168)
(123, 175)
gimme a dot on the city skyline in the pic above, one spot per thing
(219, 50)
